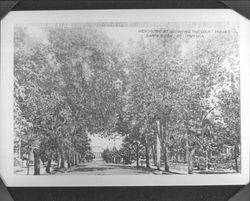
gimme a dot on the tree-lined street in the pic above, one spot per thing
(174, 101)
(100, 167)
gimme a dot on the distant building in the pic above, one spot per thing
(97, 151)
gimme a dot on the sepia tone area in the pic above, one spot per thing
(121, 100)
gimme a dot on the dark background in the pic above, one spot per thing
(116, 4)
(170, 193)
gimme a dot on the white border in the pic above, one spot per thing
(169, 15)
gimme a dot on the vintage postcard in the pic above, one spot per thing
(129, 97)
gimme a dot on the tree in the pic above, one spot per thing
(230, 108)
(68, 86)
(30, 61)
(164, 101)
(154, 69)
(205, 78)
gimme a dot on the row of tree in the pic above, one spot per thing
(64, 91)
(166, 96)
(182, 103)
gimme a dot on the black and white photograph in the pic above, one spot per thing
(151, 98)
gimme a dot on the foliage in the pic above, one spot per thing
(79, 82)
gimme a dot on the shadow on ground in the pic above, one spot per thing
(212, 172)
(103, 168)
(90, 169)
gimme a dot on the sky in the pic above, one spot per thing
(110, 143)
(123, 34)
(120, 34)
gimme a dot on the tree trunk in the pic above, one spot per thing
(190, 167)
(187, 153)
(36, 162)
(28, 167)
(19, 149)
(158, 147)
(187, 148)
(190, 161)
(62, 160)
(48, 166)
(165, 153)
(137, 156)
(165, 149)
(235, 158)
(129, 156)
(73, 159)
(76, 159)
(189, 156)
(58, 162)
(68, 159)
(79, 158)
(158, 154)
(28, 164)
(147, 154)
(206, 159)
(177, 157)
(154, 154)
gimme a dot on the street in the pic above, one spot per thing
(100, 167)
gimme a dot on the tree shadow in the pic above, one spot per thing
(214, 172)
(90, 169)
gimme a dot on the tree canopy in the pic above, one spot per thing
(155, 93)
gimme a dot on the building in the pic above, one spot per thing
(97, 151)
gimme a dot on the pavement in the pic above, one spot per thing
(100, 167)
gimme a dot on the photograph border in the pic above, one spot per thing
(108, 15)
